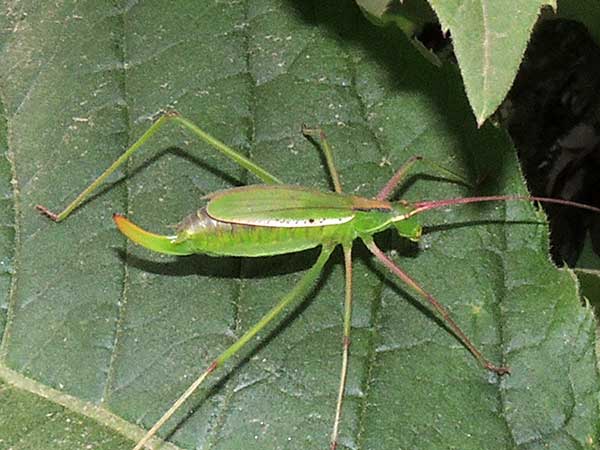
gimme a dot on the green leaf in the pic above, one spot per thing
(490, 38)
(103, 336)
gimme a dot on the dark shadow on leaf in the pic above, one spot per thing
(389, 240)
(223, 266)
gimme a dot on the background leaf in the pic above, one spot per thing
(489, 40)
(104, 335)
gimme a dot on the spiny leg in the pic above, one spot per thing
(171, 116)
(299, 290)
(346, 345)
(328, 154)
(391, 185)
(387, 262)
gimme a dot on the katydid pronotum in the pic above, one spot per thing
(274, 218)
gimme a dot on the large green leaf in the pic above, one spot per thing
(100, 335)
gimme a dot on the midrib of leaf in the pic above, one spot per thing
(363, 402)
(486, 58)
(9, 219)
(372, 361)
(98, 413)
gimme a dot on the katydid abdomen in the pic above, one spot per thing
(200, 233)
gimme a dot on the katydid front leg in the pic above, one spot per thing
(392, 267)
(335, 177)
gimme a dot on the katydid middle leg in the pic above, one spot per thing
(392, 267)
(165, 118)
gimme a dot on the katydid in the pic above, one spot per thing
(274, 218)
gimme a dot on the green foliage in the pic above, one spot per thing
(489, 37)
(103, 335)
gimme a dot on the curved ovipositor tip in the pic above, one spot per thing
(154, 242)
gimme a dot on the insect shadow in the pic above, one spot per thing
(221, 266)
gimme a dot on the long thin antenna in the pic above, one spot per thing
(435, 204)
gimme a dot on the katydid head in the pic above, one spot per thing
(407, 226)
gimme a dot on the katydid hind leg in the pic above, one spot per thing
(441, 309)
(298, 291)
(165, 118)
(345, 345)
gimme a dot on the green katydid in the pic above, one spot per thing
(274, 218)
